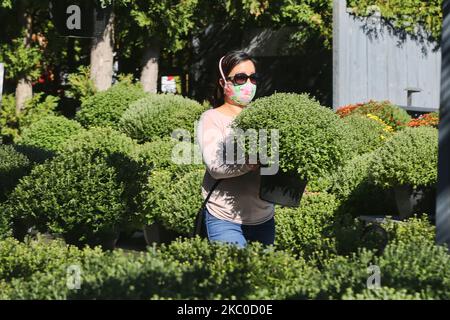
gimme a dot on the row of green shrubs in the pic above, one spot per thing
(86, 183)
(411, 267)
(95, 179)
(82, 178)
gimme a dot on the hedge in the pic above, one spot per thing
(223, 271)
(382, 293)
(158, 115)
(416, 229)
(312, 139)
(414, 265)
(417, 267)
(409, 158)
(104, 109)
(5, 223)
(192, 269)
(366, 133)
(49, 133)
(413, 268)
(196, 269)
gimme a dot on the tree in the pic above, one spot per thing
(23, 54)
(102, 48)
(166, 25)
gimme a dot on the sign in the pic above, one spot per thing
(79, 18)
(170, 84)
(2, 73)
(443, 188)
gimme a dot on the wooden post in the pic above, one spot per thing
(443, 189)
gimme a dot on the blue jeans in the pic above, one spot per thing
(226, 231)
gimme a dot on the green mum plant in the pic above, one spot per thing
(409, 158)
(50, 133)
(104, 109)
(158, 115)
(312, 139)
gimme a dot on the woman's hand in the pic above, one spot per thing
(254, 167)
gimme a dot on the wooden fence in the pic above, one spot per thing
(371, 60)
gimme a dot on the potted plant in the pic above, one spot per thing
(170, 202)
(311, 140)
(408, 164)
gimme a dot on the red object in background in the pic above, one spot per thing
(47, 76)
(429, 119)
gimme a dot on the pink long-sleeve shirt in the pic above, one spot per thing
(236, 198)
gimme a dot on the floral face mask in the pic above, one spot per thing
(240, 94)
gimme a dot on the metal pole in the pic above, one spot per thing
(2, 72)
(443, 187)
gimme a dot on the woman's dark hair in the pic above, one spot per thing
(232, 59)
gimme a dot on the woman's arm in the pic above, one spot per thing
(212, 146)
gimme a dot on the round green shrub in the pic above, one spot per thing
(312, 139)
(104, 109)
(49, 133)
(173, 199)
(352, 185)
(308, 230)
(416, 229)
(119, 152)
(171, 154)
(159, 115)
(76, 197)
(366, 134)
(172, 189)
(87, 193)
(417, 267)
(409, 158)
(343, 272)
(19, 260)
(100, 142)
(13, 166)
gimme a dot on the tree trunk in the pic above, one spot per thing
(102, 54)
(24, 88)
(150, 66)
(24, 92)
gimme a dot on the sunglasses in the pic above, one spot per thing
(241, 78)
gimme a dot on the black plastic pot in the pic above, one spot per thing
(285, 189)
(410, 201)
(107, 241)
(157, 233)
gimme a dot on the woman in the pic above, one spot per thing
(234, 212)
